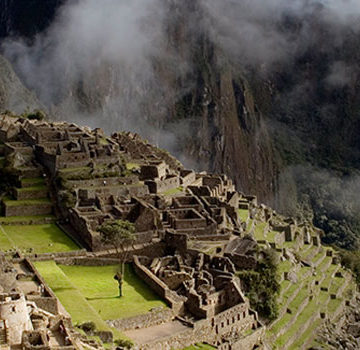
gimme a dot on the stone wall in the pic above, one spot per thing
(157, 185)
(152, 318)
(49, 304)
(202, 331)
(28, 210)
(248, 342)
(144, 237)
(57, 255)
(187, 177)
(13, 309)
(86, 258)
(158, 286)
(242, 261)
(82, 230)
(48, 160)
(87, 261)
(33, 194)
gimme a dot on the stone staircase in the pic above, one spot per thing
(3, 333)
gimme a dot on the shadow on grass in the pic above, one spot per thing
(139, 285)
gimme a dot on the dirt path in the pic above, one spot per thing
(145, 335)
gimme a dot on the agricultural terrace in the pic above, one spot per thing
(46, 238)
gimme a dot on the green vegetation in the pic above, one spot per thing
(70, 297)
(33, 181)
(37, 238)
(259, 231)
(284, 266)
(37, 114)
(119, 234)
(88, 172)
(173, 191)
(262, 285)
(131, 166)
(100, 289)
(332, 198)
(304, 316)
(271, 236)
(244, 214)
(351, 260)
(6, 220)
(33, 188)
(89, 293)
(26, 202)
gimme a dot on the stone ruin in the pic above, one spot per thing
(190, 231)
(30, 316)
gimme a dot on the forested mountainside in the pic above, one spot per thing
(267, 93)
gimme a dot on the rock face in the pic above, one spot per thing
(345, 334)
(275, 131)
(13, 94)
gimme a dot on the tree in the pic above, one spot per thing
(119, 234)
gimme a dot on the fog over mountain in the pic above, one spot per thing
(265, 91)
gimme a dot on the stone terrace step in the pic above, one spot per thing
(27, 220)
(29, 207)
(30, 172)
(303, 320)
(319, 257)
(30, 182)
(34, 192)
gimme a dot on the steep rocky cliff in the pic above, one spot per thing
(285, 129)
(14, 95)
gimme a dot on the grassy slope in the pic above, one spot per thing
(69, 296)
(41, 238)
(98, 286)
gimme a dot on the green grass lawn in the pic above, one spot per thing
(299, 299)
(33, 181)
(5, 243)
(306, 335)
(318, 256)
(311, 252)
(333, 305)
(173, 191)
(310, 309)
(259, 231)
(284, 266)
(41, 238)
(336, 284)
(13, 219)
(323, 264)
(281, 323)
(270, 236)
(33, 188)
(329, 273)
(100, 289)
(69, 296)
(131, 166)
(244, 214)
